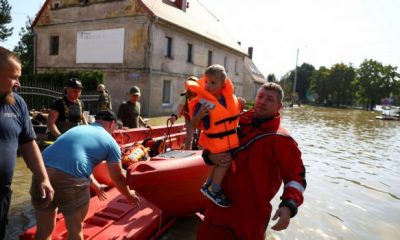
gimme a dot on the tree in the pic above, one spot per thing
(341, 85)
(286, 83)
(271, 77)
(24, 49)
(319, 84)
(375, 82)
(5, 18)
(304, 73)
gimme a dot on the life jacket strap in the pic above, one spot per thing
(229, 119)
(221, 134)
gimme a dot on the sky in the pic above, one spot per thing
(326, 32)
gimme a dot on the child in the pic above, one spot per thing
(183, 110)
(215, 110)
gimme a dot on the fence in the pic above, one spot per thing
(40, 97)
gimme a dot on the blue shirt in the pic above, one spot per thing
(15, 128)
(80, 149)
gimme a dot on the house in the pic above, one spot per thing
(154, 44)
(252, 77)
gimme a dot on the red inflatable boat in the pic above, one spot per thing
(171, 181)
(168, 185)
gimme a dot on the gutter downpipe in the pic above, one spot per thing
(153, 21)
(34, 52)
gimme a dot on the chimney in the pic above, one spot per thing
(250, 52)
(181, 4)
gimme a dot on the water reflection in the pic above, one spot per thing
(353, 172)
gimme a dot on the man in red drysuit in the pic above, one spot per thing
(267, 156)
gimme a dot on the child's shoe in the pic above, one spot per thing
(218, 198)
(203, 189)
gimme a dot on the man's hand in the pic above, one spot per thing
(284, 219)
(46, 192)
(98, 188)
(242, 103)
(133, 199)
(100, 192)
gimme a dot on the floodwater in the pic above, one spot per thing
(353, 174)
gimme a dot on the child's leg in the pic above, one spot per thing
(218, 176)
(210, 177)
(214, 192)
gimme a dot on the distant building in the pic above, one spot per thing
(252, 77)
(155, 44)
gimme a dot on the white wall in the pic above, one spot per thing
(102, 46)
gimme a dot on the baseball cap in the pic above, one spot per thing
(74, 83)
(106, 115)
(134, 91)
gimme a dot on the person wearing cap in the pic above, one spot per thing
(129, 112)
(183, 110)
(66, 112)
(69, 162)
(104, 101)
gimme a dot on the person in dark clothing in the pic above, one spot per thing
(104, 101)
(16, 130)
(67, 112)
(129, 112)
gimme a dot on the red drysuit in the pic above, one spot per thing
(267, 156)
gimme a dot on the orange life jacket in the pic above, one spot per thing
(222, 135)
(134, 154)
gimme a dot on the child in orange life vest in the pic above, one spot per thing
(183, 110)
(215, 110)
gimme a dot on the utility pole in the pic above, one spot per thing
(295, 77)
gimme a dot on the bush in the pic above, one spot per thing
(90, 79)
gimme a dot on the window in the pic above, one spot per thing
(54, 44)
(189, 53)
(210, 55)
(168, 47)
(83, 2)
(226, 64)
(56, 4)
(166, 98)
(236, 67)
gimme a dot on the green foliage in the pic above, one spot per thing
(344, 85)
(249, 105)
(24, 49)
(319, 84)
(286, 83)
(5, 18)
(304, 73)
(271, 77)
(341, 85)
(90, 79)
(375, 82)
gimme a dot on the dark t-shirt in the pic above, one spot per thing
(73, 108)
(129, 114)
(15, 128)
